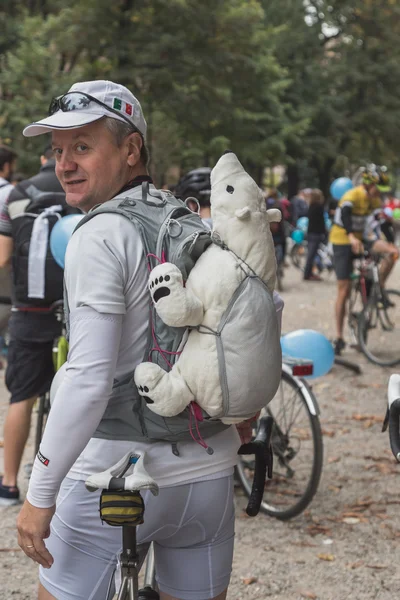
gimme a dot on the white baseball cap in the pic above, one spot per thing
(89, 101)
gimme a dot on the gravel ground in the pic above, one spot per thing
(342, 547)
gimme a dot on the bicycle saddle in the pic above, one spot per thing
(115, 477)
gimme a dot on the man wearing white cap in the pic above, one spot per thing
(98, 137)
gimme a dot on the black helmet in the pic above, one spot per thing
(196, 184)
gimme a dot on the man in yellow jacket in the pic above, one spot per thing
(348, 237)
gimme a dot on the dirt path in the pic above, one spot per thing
(345, 546)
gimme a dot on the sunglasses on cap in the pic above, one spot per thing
(79, 101)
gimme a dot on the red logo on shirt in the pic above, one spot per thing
(45, 461)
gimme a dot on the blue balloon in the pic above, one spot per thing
(302, 224)
(328, 222)
(340, 186)
(60, 236)
(311, 345)
(298, 236)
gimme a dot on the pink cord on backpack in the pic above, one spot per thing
(194, 408)
(195, 411)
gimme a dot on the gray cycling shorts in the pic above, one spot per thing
(192, 527)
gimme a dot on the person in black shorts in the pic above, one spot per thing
(32, 330)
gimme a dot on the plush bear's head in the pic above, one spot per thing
(233, 191)
(240, 217)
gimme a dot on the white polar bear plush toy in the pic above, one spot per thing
(231, 362)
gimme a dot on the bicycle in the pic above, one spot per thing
(392, 418)
(323, 260)
(121, 504)
(59, 357)
(374, 313)
(296, 445)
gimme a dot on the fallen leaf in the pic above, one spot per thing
(363, 417)
(377, 566)
(351, 520)
(318, 529)
(327, 432)
(249, 580)
(309, 595)
(356, 565)
(340, 398)
(349, 513)
(303, 544)
(334, 488)
(327, 557)
(334, 459)
(10, 549)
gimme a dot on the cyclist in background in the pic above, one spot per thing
(272, 200)
(32, 328)
(300, 204)
(347, 236)
(196, 184)
(316, 233)
(8, 159)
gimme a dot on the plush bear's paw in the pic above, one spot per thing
(162, 281)
(165, 395)
(169, 295)
(147, 376)
(274, 215)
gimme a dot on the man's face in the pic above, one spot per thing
(90, 166)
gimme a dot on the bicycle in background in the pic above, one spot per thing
(296, 445)
(374, 313)
(392, 418)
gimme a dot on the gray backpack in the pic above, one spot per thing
(170, 231)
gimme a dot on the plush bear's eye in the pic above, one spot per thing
(230, 189)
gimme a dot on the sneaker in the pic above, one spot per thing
(338, 346)
(313, 278)
(386, 303)
(9, 495)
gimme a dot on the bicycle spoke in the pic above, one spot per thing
(379, 333)
(297, 446)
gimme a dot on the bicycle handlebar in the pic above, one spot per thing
(393, 415)
(261, 448)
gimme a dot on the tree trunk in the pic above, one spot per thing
(324, 175)
(292, 172)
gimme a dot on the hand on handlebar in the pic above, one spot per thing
(245, 429)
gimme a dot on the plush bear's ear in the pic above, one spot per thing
(243, 213)
(274, 215)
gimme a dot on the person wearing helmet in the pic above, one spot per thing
(348, 237)
(194, 188)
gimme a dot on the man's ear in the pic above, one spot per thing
(134, 143)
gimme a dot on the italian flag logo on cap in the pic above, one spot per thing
(123, 106)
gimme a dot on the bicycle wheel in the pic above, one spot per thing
(379, 327)
(297, 448)
(298, 254)
(42, 412)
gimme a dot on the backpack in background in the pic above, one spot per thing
(37, 278)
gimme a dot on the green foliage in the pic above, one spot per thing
(313, 83)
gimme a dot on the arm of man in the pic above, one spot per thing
(83, 396)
